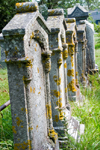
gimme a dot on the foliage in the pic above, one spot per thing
(7, 11)
(89, 114)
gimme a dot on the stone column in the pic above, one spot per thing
(81, 34)
(46, 59)
(65, 56)
(70, 66)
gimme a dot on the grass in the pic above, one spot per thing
(6, 135)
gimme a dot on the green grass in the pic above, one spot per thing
(6, 135)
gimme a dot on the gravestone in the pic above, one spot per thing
(28, 60)
(81, 35)
(58, 73)
(2, 51)
(72, 55)
(80, 13)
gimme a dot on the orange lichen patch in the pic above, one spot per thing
(71, 86)
(51, 45)
(36, 44)
(5, 60)
(21, 126)
(13, 128)
(60, 61)
(39, 92)
(32, 35)
(58, 81)
(23, 146)
(56, 93)
(70, 73)
(61, 116)
(26, 111)
(36, 127)
(76, 73)
(66, 90)
(22, 109)
(60, 105)
(18, 121)
(72, 61)
(40, 87)
(49, 112)
(51, 12)
(24, 78)
(35, 49)
(30, 128)
(53, 134)
(48, 66)
(33, 90)
(30, 89)
(38, 70)
(57, 103)
(56, 118)
(65, 65)
(29, 64)
(65, 54)
(60, 102)
(6, 53)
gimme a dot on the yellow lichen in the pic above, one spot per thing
(18, 121)
(49, 112)
(33, 90)
(60, 61)
(58, 81)
(72, 61)
(38, 70)
(39, 92)
(36, 127)
(61, 116)
(65, 65)
(13, 128)
(30, 128)
(65, 54)
(29, 64)
(48, 66)
(32, 35)
(35, 49)
(66, 90)
(53, 134)
(56, 118)
(30, 89)
(6, 53)
(51, 12)
(70, 72)
(71, 86)
(23, 146)
(56, 93)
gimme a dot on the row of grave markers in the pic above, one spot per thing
(45, 61)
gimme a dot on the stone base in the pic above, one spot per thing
(50, 145)
(75, 129)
